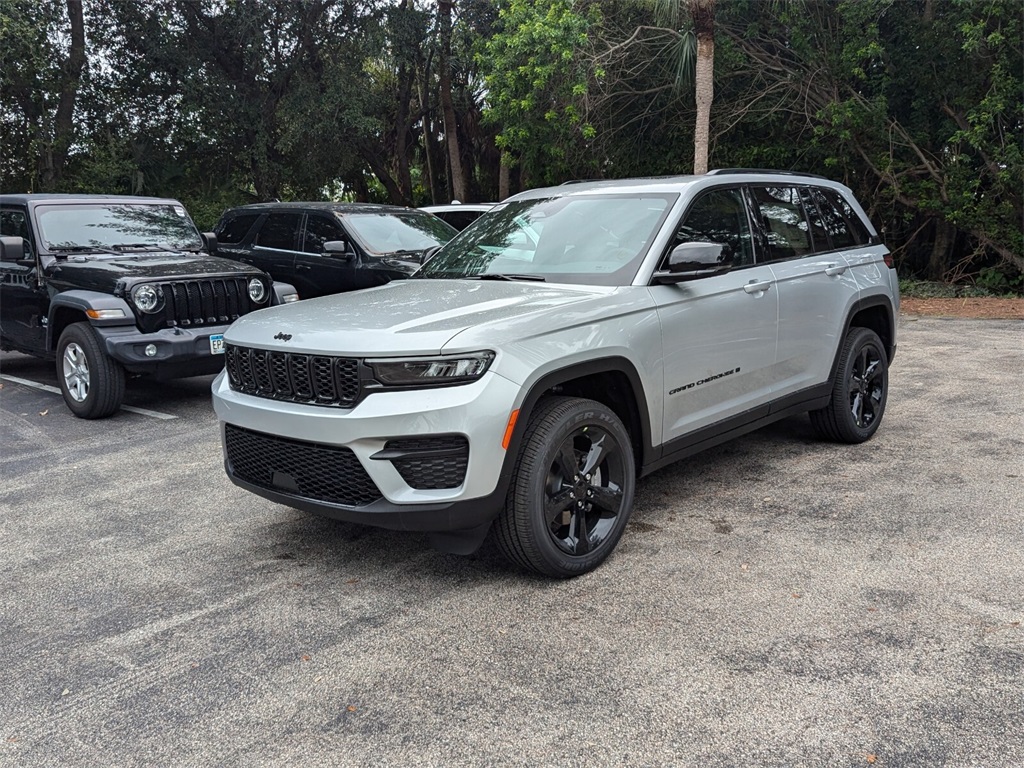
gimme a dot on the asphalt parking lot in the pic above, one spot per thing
(775, 602)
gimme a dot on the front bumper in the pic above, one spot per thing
(179, 351)
(478, 412)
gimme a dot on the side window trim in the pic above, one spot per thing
(754, 231)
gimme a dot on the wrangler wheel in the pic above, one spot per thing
(91, 382)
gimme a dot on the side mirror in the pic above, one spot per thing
(12, 248)
(209, 242)
(338, 249)
(690, 261)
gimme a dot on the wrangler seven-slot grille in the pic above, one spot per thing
(196, 303)
(331, 474)
(298, 378)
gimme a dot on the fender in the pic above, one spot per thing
(641, 413)
(878, 300)
(79, 302)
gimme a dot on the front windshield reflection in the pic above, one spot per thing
(383, 233)
(111, 225)
(591, 239)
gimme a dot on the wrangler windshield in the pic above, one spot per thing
(122, 226)
(591, 239)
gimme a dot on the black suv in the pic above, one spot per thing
(110, 285)
(324, 248)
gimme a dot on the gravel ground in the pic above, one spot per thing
(777, 601)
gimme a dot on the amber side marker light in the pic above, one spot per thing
(508, 430)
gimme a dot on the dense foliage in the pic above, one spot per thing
(916, 104)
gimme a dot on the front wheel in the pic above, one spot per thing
(91, 382)
(572, 491)
(859, 391)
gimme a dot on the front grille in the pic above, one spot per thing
(430, 462)
(198, 303)
(217, 301)
(297, 378)
(324, 473)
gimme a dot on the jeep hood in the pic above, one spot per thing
(104, 273)
(404, 317)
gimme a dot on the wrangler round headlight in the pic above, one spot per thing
(148, 298)
(257, 290)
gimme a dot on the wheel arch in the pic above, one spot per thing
(71, 307)
(874, 313)
(612, 381)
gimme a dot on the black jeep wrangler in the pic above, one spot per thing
(110, 286)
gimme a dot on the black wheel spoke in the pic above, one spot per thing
(568, 462)
(555, 506)
(579, 535)
(607, 498)
(857, 409)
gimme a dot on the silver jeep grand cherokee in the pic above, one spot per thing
(573, 339)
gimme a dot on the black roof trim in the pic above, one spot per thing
(723, 171)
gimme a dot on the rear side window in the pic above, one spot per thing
(236, 228)
(720, 217)
(856, 232)
(279, 231)
(782, 215)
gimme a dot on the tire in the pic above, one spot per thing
(859, 390)
(91, 382)
(572, 489)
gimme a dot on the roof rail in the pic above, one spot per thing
(720, 171)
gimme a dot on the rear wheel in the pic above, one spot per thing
(572, 491)
(91, 382)
(859, 391)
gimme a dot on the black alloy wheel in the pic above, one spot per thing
(859, 391)
(572, 492)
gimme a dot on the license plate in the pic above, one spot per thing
(217, 344)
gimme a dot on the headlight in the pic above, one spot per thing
(148, 298)
(257, 290)
(431, 371)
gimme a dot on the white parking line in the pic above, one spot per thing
(54, 390)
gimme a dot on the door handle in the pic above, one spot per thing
(302, 268)
(835, 269)
(757, 287)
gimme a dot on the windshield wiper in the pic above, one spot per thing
(135, 246)
(507, 276)
(81, 249)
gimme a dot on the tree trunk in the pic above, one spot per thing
(429, 145)
(703, 14)
(942, 248)
(56, 155)
(504, 179)
(451, 134)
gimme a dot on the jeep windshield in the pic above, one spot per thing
(590, 239)
(402, 233)
(117, 227)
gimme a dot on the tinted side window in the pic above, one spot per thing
(319, 230)
(279, 231)
(720, 216)
(818, 235)
(14, 223)
(236, 228)
(459, 219)
(784, 222)
(858, 232)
